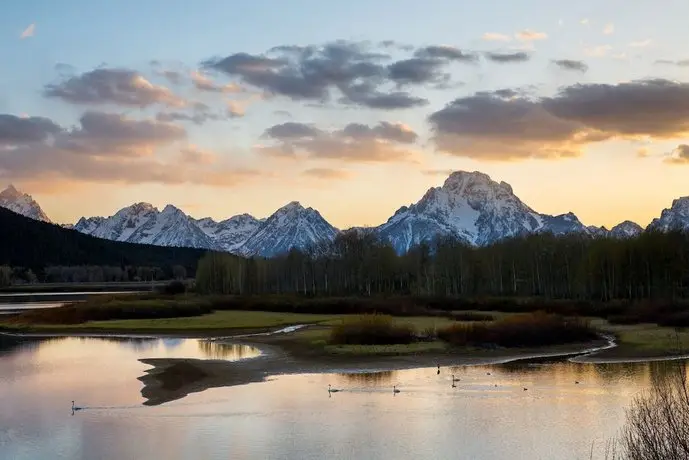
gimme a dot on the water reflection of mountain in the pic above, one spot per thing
(229, 351)
(133, 343)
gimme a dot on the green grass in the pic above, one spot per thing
(213, 321)
(645, 339)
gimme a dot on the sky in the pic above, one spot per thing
(353, 108)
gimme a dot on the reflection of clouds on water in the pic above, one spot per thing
(171, 343)
(228, 351)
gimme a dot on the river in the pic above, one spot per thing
(488, 415)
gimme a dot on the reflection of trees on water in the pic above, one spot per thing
(230, 351)
(10, 343)
(372, 378)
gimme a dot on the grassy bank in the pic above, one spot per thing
(415, 325)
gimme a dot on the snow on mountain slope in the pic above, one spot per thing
(472, 207)
(230, 234)
(291, 226)
(21, 203)
(120, 226)
(626, 229)
(673, 218)
(171, 227)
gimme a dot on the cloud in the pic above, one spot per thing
(609, 29)
(111, 148)
(203, 83)
(327, 173)
(598, 50)
(656, 108)
(351, 73)
(507, 58)
(437, 172)
(528, 35)
(489, 126)
(584, 22)
(22, 130)
(173, 76)
(198, 114)
(112, 86)
(569, 64)
(109, 134)
(493, 128)
(496, 37)
(679, 156)
(235, 109)
(355, 142)
(28, 32)
(196, 155)
(641, 43)
(678, 63)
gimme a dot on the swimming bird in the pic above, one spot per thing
(75, 408)
(487, 373)
(394, 389)
(525, 389)
(453, 384)
(576, 383)
(455, 379)
(332, 390)
(438, 369)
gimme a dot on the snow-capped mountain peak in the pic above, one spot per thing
(626, 229)
(291, 226)
(21, 203)
(674, 218)
(474, 208)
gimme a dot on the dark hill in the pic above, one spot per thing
(32, 244)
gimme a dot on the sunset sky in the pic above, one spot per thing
(353, 108)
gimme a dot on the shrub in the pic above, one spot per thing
(468, 316)
(371, 330)
(174, 288)
(532, 329)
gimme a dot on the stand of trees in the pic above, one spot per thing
(651, 266)
(88, 274)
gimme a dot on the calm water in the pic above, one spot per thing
(293, 417)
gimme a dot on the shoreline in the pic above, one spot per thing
(169, 379)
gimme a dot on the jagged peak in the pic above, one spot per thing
(11, 192)
(459, 181)
(681, 202)
(171, 209)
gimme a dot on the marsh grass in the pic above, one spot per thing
(371, 330)
(526, 330)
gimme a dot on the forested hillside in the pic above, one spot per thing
(36, 245)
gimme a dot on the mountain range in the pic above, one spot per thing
(469, 206)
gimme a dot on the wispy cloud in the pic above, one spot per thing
(609, 29)
(528, 35)
(598, 50)
(28, 32)
(496, 37)
(641, 43)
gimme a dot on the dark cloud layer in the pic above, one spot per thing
(112, 86)
(17, 130)
(489, 126)
(507, 58)
(569, 64)
(107, 147)
(355, 142)
(359, 74)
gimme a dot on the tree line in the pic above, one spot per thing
(652, 265)
(89, 274)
